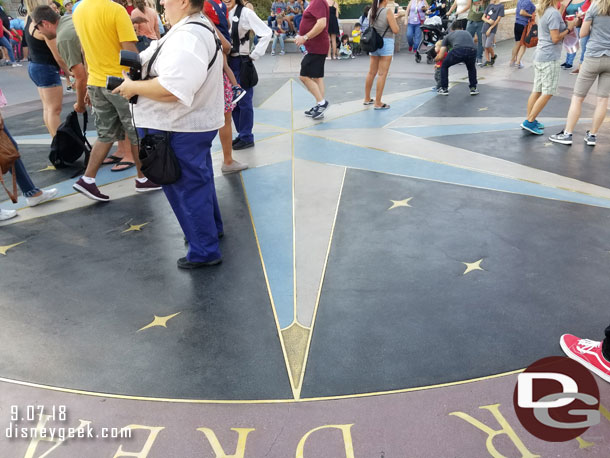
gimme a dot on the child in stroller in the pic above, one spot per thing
(433, 29)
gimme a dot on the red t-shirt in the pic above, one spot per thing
(129, 9)
(319, 44)
(210, 11)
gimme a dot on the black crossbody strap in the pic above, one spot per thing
(216, 40)
(236, 41)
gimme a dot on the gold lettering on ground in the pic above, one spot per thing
(296, 338)
(347, 439)
(152, 436)
(240, 450)
(583, 443)
(604, 412)
(491, 433)
(37, 439)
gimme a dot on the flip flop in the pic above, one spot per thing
(385, 106)
(111, 160)
(127, 163)
(368, 102)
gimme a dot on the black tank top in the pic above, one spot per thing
(39, 51)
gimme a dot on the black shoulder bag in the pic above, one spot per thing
(158, 160)
(248, 77)
(371, 41)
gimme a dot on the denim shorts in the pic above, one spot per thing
(387, 50)
(44, 75)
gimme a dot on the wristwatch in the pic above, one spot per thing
(306, 37)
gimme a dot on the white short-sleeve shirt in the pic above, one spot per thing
(182, 68)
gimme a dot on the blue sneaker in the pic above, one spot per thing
(539, 124)
(531, 127)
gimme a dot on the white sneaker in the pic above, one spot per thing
(17, 65)
(45, 196)
(7, 214)
(234, 167)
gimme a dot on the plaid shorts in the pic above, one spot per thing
(112, 116)
(546, 77)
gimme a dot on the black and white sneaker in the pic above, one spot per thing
(320, 109)
(443, 91)
(561, 137)
(311, 111)
(474, 91)
(590, 139)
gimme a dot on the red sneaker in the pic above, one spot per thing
(410, 48)
(588, 353)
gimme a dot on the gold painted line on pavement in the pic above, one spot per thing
(256, 401)
(260, 254)
(315, 310)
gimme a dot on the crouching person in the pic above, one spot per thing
(182, 96)
(464, 50)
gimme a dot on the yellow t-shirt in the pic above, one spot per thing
(101, 26)
(356, 36)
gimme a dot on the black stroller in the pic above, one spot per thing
(430, 35)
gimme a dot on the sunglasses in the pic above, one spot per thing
(37, 25)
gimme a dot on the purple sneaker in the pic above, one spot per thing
(147, 186)
(90, 190)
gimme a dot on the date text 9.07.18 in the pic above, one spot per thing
(36, 412)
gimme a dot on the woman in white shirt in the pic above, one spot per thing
(183, 97)
(243, 113)
(461, 8)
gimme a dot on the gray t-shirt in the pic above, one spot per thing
(459, 39)
(492, 12)
(599, 37)
(546, 51)
(381, 24)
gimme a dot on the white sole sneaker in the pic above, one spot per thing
(7, 214)
(573, 356)
(44, 197)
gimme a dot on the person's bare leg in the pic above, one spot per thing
(574, 113)
(321, 88)
(520, 54)
(226, 138)
(531, 101)
(538, 107)
(135, 153)
(312, 86)
(42, 96)
(382, 74)
(370, 77)
(124, 151)
(227, 69)
(53, 97)
(333, 42)
(601, 109)
(98, 153)
(513, 55)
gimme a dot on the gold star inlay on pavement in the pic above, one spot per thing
(48, 167)
(160, 321)
(4, 249)
(470, 266)
(484, 109)
(400, 203)
(134, 227)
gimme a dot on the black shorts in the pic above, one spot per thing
(312, 65)
(519, 28)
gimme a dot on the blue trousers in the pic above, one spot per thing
(476, 27)
(23, 179)
(276, 37)
(413, 35)
(583, 47)
(4, 42)
(243, 113)
(193, 196)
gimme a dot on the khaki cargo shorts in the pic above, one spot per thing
(591, 69)
(112, 116)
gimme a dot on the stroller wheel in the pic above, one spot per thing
(417, 57)
(429, 59)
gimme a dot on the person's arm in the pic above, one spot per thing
(406, 19)
(453, 6)
(80, 84)
(525, 13)
(224, 43)
(319, 26)
(394, 27)
(557, 36)
(151, 89)
(129, 46)
(156, 24)
(1, 121)
(52, 44)
(585, 29)
(260, 29)
(564, 5)
(441, 54)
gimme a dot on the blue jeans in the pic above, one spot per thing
(23, 179)
(4, 42)
(455, 56)
(193, 196)
(477, 27)
(243, 113)
(297, 21)
(276, 37)
(583, 45)
(413, 35)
